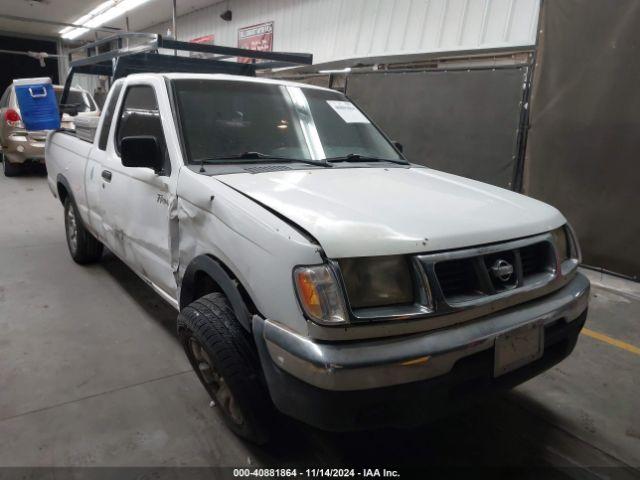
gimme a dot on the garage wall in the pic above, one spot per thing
(21, 66)
(582, 152)
(342, 29)
(464, 122)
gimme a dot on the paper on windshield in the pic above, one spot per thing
(348, 111)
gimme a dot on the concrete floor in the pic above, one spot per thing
(91, 374)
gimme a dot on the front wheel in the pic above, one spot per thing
(83, 247)
(226, 362)
(10, 169)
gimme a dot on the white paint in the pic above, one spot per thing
(350, 211)
(157, 241)
(380, 211)
(258, 247)
(343, 29)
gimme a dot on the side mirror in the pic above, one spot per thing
(399, 146)
(141, 151)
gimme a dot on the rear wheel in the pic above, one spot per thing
(223, 356)
(83, 247)
(10, 169)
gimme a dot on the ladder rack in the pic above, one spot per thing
(141, 53)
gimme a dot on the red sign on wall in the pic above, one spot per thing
(256, 37)
(207, 40)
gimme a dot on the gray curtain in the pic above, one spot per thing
(583, 150)
(462, 122)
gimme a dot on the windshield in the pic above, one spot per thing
(223, 120)
(79, 98)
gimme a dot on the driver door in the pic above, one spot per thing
(137, 222)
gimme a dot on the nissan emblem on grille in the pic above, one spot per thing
(502, 270)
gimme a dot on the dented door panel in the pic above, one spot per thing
(137, 225)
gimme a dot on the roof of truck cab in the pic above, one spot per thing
(224, 76)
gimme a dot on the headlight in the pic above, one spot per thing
(320, 295)
(574, 246)
(561, 242)
(377, 281)
(566, 243)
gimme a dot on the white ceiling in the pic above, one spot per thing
(151, 13)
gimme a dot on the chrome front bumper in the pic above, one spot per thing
(361, 365)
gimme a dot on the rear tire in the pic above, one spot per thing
(10, 169)
(226, 362)
(83, 247)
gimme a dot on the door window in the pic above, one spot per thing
(140, 115)
(108, 116)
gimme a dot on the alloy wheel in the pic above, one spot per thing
(72, 229)
(215, 382)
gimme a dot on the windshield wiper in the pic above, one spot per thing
(356, 157)
(261, 156)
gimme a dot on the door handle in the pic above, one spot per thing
(106, 175)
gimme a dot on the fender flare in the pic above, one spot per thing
(62, 180)
(211, 267)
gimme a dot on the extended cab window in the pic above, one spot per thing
(140, 115)
(108, 116)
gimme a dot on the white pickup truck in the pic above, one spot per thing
(316, 270)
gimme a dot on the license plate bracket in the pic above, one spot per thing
(518, 347)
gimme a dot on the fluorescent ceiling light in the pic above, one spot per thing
(103, 13)
(96, 11)
(343, 70)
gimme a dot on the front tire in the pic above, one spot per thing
(10, 169)
(83, 247)
(226, 362)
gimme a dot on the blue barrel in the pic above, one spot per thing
(38, 103)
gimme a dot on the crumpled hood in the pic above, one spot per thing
(356, 212)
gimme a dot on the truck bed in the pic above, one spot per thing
(86, 127)
(66, 156)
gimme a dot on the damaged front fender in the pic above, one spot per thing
(210, 267)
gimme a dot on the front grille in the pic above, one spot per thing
(458, 285)
(457, 278)
(536, 258)
(499, 284)
(481, 275)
